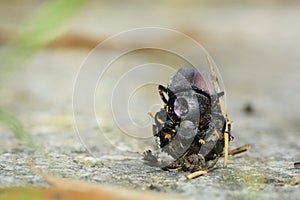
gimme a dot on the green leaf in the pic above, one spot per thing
(21, 193)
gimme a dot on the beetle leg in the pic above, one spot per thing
(220, 94)
(151, 159)
(162, 90)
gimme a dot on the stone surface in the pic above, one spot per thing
(256, 46)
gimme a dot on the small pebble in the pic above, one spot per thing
(248, 108)
(297, 165)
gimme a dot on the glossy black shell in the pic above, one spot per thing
(191, 125)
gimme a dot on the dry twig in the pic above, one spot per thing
(152, 116)
(218, 89)
(238, 150)
(196, 174)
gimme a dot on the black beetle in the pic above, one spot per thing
(191, 125)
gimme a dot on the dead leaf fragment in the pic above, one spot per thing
(296, 181)
(65, 189)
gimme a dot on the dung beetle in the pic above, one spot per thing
(191, 125)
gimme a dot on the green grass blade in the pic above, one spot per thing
(44, 27)
(16, 127)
